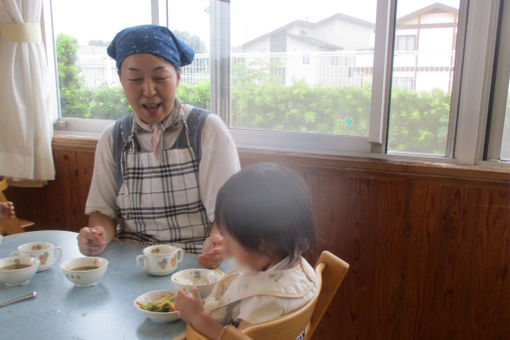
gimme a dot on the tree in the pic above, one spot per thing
(76, 100)
(72, 96)
(66, 56)
(418, 120)
(192, 41)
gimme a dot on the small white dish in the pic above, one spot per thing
(201, 278)
(153, 296)
(84, 271)
(21, 276)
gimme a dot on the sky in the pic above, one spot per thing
(101, 19)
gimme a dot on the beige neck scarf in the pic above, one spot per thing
(157, 129)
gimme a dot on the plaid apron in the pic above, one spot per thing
(159, 202)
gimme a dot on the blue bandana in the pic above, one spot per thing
(157, 40)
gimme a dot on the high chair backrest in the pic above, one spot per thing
(15, 225)
(330, 271)
(290, 325)
(333, 274)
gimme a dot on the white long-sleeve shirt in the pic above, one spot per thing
(219, 161)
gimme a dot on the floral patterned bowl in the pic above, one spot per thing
(84, 271)
(151, 297)
(203, 279)
(18, 270)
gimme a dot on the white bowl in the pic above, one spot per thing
(1, 239)
(154, 296)
(84, 277)
(18, 277)
(203, 279)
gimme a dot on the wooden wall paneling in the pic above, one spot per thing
(428, 245)
(60, 204)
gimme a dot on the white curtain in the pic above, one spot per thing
(27, 97)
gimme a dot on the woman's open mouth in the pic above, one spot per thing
(151, 109)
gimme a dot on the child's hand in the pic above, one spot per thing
(189, 308)
(6, 210)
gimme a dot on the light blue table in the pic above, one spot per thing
(104, 311)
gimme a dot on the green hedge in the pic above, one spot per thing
(418, 121)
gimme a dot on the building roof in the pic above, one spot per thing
(308, 24)
(314, 41)
(347, 18)
(435, 7)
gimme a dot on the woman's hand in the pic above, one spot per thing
(6, 210)
(92, 241)
(213, 251)
(189, 308)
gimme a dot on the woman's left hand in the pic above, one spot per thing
(189, 308)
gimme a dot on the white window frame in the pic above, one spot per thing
(469, 103)
(479, 52)
(499, 90)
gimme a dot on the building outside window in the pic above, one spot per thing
(308, 76)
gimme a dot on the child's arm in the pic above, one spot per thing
(191, 310)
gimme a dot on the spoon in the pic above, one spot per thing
(18, 299)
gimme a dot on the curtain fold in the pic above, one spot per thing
(27, 95)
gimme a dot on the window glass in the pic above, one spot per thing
(307, 66)
(423, 72)
(505, 144)
(498, 133)
(88, 83)
(194, 88)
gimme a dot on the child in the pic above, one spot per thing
(264, 216)
(6, 210)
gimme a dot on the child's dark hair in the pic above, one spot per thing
(266, 209)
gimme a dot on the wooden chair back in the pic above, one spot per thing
(330, 271)
(15, 225)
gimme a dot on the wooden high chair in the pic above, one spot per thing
(330, 271)
(15, 225)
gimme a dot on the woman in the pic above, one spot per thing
(157, 172)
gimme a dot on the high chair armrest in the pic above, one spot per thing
(232, 333)
(228, 333)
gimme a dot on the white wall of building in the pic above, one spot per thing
(348, 35)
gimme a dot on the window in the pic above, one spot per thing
(404, 83)
(423, 77)
(312, 92)
(88, 82)
(505, 143)
(406, 43)
(498, 141)
(395, 78)
(195, 83)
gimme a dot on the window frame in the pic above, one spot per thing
(475, 85)
(406, 38)
(466, 131)
(499, 90)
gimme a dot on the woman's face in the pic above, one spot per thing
(149, 83)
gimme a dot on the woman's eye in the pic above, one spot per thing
(134, 79)
(160, 78)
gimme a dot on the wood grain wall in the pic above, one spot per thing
(428, 245)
